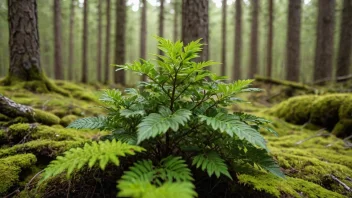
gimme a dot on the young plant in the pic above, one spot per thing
(177, 118)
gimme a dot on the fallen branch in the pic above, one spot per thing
(348, 143)
(321, 132)
(341, 183)
(285, 83)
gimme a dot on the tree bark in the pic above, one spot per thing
(195, 22)
(85, 43)
(161, 22)
(24, 41)
(253, 67)
(100, 41)
(325, 40)
(238, 40)
(107, 43)
(223, 37)
(176, 9)
(143, 36)
(345, 46)
(270, 39)
(58, 40)
(71, 41)
(293, 40)
(120, 51)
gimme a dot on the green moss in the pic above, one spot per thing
(289, 187)
(45, 117)
(55, 133)
(325, 110)
(3, 136)
(4, 117)
(11, 167)
(65, 121)
(47, 148)
(295, 110)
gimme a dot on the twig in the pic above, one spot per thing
(349, 179)
(341, 183)
(348, 144)
(30, 181)
(14, 192)
(31, 128)
(320, 132)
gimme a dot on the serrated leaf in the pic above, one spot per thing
(88, 123)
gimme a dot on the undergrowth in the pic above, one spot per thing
(176, 122)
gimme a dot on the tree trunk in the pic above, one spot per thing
(143, 35)
(254, 40)
(100, 35)
(293, 40)
(58, 40)
(325, 40)
(345, 46)
(238, 40)
(120, 52)
(107, 43)
(71, 41)
(176, 9)
(195, 22)
(161, 22)
(223, 37)
(24, 41)
(85, 43)
(270, 39)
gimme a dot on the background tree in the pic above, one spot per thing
(143, 33)
(238, 40)
(24, 45)
(270, 39)
(120, 52)
(107, 43)
(345, 46)
(223, 37)
(85, 43)
(253, 65)
(176, 16)
(293, 40)
(325, 41)
(71, 38)
(100, 35)
(161, 21)
(195, 22)
(58, 40)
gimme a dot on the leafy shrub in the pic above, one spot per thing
(179, 118)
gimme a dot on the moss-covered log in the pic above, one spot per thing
(295, 85)
(11, 109)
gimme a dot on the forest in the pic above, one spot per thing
(176, 98)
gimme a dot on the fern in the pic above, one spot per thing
(212, 163)
(88, 123)
(102, 152)
(146, 180)
(158, 123)
(230, 125)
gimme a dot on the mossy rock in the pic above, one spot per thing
(325, 110)
(295, 110)
(45, 117)
(4, 117)
(65, 121)
(10, 169)
(288, 187)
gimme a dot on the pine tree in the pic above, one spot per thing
(223, 37)
(238, 40)
(71, 40)
(269, 63)
(107, 43)
(85, 43)
(99, 46)
(143, 33)
(58, 40)
(253, 63)
(120, 51)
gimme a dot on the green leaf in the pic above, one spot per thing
(174, 168)
(127, 113)
(212, 163)
(231, 125)
(76, 158)
(155, 124)
(88, 123)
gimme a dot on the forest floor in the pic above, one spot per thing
(316, 162)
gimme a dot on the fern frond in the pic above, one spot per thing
(111, 96)
(230, 125)
(159, 123)
(141, 171)
(127, 113)
(235, 87)
(123, 136)
(76, 158)
(88, 123)
(212, 163)
(174, 168)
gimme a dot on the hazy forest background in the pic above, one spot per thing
(172, 30)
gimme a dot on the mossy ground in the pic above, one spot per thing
(307, 157)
